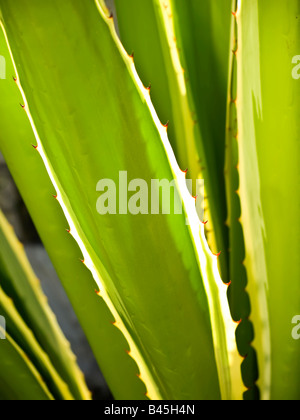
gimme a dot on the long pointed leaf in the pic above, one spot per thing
(19, 380)
(21, 334)
(168, 48)
(142, 288)
(202, 30)
(35, 186)
(268, 179)
(20, 282)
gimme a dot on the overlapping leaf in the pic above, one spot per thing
(30, 175)
(92, 119)
(265, 179)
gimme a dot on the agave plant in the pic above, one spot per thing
(36, 359)
(171, 318)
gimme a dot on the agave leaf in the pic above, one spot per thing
(158, 64)
(155, 297)
(19, 380)
(142, 37)
(268, 154)
(203, 37)
(20, 283)
(35, 186)
(21, 334)
(160, 58)
(202, 31)
(238, 295)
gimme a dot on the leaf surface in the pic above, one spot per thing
(92, 119)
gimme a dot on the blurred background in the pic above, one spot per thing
(14, 209)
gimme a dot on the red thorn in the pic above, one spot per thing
(234, 14)
(97, 292)
(113, 323)
(217, 255)
(111, 16)
(228, 284)
(15, 79)
(166, 125)
(131, 56)
(35, 147)
(205, 223)
(238, 322)
(185, 173)
(54, 196)
(23, 106)
(82, 261)
(68, 230)
(195, 197)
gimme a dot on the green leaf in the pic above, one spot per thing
(20, 283)
(238, 295)
(268, 152)
(167, 56)
(93, 119)
(22, 335)
(35, 186)
(19, 379)
(157, 62)
(142, 37)
(202, 30)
